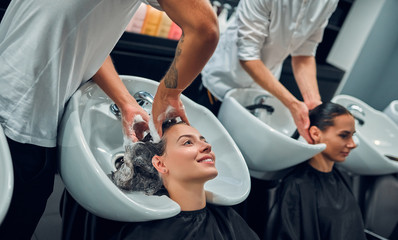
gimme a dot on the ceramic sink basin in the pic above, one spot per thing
(392, 111)
(6, 176)
(264, 140)
(377, 152)
(90, 139)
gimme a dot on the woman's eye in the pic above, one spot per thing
(343, 136)
(187, 142)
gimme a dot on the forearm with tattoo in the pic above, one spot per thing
(171, 77)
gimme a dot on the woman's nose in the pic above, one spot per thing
(351, 144)
(206, 147)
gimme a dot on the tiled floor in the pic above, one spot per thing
(49, 227)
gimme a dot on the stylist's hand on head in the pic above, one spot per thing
(134, 120)
(167, 105)
(198, 41)
(305, 119)
(301, 118)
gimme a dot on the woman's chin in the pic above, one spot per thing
(340, 160)
(212, 174)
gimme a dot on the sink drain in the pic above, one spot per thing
(118, 160)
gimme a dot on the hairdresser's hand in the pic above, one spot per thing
(312, 104)
(167, 105)
(299, 111)
(135, 121)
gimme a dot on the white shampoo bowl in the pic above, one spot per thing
(90, 137)
(6, 176)
(392, 111)
(266, 145)
(378, 136)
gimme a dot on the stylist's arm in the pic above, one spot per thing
(134, 118)
(198, 42)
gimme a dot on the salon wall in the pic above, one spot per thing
(367, 49)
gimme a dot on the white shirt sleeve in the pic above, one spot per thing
(308, 48)
(253, 23)
(153, 3)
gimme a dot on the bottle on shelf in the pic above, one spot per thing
(152, 21)
(136, 22)
(164, 26)
(175, 32)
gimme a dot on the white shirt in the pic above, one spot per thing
(48, 48)
(266, 30)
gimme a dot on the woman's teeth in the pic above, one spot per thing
(206, 160)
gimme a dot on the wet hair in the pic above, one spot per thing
(137, 173)
(323, 115)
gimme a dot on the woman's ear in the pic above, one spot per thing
(315, 134)
(157, 162)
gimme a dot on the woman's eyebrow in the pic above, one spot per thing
(185, 135)
(190, 136)
(348, 132)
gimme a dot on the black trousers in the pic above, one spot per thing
(34, 170)
(79, 224)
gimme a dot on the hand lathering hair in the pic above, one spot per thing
(137, 173)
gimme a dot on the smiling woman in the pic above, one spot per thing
(185, 162)
(315, 200)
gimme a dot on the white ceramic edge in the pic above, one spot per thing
(149, 214)
(392, 111)
(311, 150)
(386, 166)
(5, 199)
(129, 214)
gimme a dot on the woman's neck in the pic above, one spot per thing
(321, 164)
(190, 197)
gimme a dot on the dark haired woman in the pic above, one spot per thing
(315, 200)
(185, 162)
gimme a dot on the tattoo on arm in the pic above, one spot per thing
(171, 78)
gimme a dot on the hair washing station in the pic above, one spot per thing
(377, 152)
(262, 128)
(6, 176)
(91, 142)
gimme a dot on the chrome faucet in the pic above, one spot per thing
(260, 109)
(144, 99)
(260, 99)
(115, 110)
(355, 108)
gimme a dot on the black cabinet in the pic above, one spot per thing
(143, 55)
(3, 6)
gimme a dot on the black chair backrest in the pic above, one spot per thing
(381, 207)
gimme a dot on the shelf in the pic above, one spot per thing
(4, 4)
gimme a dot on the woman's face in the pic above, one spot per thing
(338, 138)
(188, 157)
